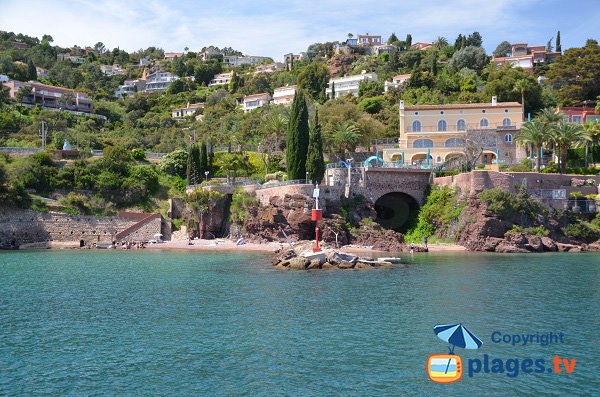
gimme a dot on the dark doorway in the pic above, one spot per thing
(396, 211)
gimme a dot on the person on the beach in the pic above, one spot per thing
(412, 248)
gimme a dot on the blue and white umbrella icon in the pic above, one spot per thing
(457, 335)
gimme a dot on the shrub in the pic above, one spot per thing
(437, 214)
(581, 231)
(240, 203)
(576, 195)
(174, 163)
(507, 205)
(536, 231)
(138, 154)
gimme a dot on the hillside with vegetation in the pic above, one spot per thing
(249, 144)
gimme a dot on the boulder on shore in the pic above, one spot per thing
(289, 259)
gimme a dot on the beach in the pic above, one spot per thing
(230, 246)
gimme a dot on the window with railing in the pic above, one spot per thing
(416, 126)
(454, 142)
(442, 125)
(423, 143)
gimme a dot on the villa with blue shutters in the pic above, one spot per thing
(434, 134)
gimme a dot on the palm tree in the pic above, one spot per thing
(441, 42)
(521, 86)
(550, 118)
(567, 136)
(533, 133)
(592, 130)
(345, 137)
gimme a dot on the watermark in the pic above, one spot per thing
(448, 368)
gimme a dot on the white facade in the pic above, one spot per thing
(187, 111)
(159, 81)
(269, 68)
(256, 101)
(348, 84)
(221, 79)
(396, 82)
(4, 78)
(112, 70)
(284, 95)
(234, 60)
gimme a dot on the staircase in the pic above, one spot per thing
(135, 227)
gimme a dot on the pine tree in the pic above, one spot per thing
(558, 46)
(31, 71)
(297, 138)
(315, 164)
(458, 42)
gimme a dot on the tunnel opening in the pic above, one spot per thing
(396, 211)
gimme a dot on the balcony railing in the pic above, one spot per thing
(465, 129)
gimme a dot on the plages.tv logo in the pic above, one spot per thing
(448, 368)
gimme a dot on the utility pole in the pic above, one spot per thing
(43, 133)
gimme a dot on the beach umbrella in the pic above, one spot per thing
(457, 335)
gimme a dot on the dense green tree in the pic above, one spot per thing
(193, 166)
(458, 43)
(471, 57)
(576, 74)
(474, 40)
(512, 85)
(558, 45)
(235, 82)
(174, 163)
(176, 87)
(566, 136)
(31, 71)
(503, 49)
(408, 41)
(313, 79)
(297, 137)
(392, 39)
(315, 164)
(203, 160)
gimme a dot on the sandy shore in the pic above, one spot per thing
(215, 245)
(231, 246)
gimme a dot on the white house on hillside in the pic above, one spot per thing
(396, 82)
(188, 111)
(348, 84)
(255, 101)
(159, 81)
(284, 95)
(234, 60)
(221, 79)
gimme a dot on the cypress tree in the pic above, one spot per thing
(558, 46)
(297, 138)
(193, 163)
(31, 71)
(408, 41)
(333, 90)
(315, 164)
(203, 159)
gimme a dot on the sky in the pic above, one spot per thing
(276, 27)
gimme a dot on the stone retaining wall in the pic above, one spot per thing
(19, 227)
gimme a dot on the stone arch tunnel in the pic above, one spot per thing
(396, 211)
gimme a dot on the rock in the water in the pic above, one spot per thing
(345, 265)
(281, 267)
(534, 243)
(549, 244)
(363, 265)
(314, 264)
(328, 266)
(491, 243)
(298, 263)
(283, 255)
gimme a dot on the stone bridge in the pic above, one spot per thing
(397, 193)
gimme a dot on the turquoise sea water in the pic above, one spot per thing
(188, 324)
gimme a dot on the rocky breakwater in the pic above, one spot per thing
(292, 259)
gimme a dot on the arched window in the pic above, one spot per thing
(506, 122)
(423, 143)
(508, 138)
(442, 125)
(454, 142)
(416, 126)
(484, 123)
(461, 125)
